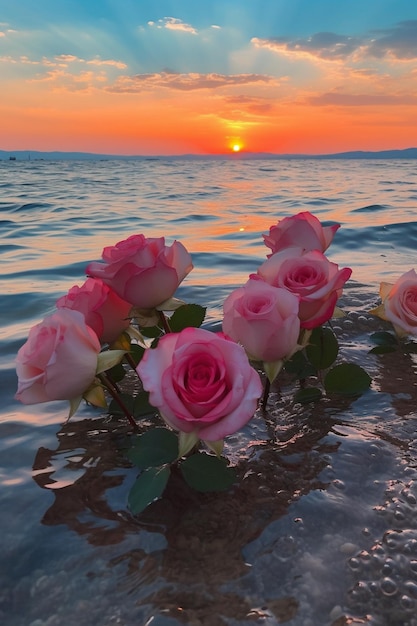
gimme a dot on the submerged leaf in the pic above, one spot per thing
(308, 394)
(149, 487)
(384, 338)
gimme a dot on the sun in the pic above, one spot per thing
(236, 147)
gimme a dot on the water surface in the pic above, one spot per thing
(322, 528)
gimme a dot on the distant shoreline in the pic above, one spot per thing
(26, 155)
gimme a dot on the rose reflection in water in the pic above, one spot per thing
(203, 563)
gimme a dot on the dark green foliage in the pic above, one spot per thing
(347, 379)
(322, 348)
(205, 472)
(187, 315)
(155, 447)
(149, 487)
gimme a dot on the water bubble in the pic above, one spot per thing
(411, 588)
(360, 592)
(408, 496)
(365, 557)
(354, 563)
(393, 539)
(399, 515)
(411, 546)
(388, 586)
(407, 603)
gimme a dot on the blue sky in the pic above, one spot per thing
(244, 58)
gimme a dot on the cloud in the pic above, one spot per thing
(324, 45)
(398, 42)
(184, 82)
(360, 100)
(173, 23)
(248, 104)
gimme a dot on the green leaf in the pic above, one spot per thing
(322, 348)
(141, 405)
(115, 409)
(155, 447)
(151, 331)
(187, 315)
(187, 441)
(347, 379)
(116, 373)
(204, 472)
(299, 367)
(384, 338)
(108, 359)
(149, 487)
(382, 349)
(308, 394)
(136, 352)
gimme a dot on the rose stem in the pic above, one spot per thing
(116, 397)
(164, 322)
(132, 363)
(266, 394)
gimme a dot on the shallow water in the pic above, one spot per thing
(322, 528)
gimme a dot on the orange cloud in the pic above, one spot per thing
(184, 82)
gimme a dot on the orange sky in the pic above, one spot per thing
(308, 92)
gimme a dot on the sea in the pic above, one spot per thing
(321, 528)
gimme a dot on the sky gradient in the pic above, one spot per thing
(182, 76)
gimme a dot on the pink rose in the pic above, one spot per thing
(264, 319)
(104, 311)
(144, 272)
(399, 303)
(58, 360)
(303, 230)
(312, 276)
(201, 382)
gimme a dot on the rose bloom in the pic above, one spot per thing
(104, 311)
(264, 319)
(303, 230)
(143, 271)
(201, 382)
(312, 276)
(58, 360)
(399, 304)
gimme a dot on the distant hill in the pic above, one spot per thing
(25, 155)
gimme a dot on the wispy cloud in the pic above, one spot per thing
(360, 100)
(248, 104)
(184, 82)
(329, 46)
(173, 23)
(398, 42)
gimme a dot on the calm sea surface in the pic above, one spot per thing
(323, 525)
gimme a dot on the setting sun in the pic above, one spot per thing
(236, 147)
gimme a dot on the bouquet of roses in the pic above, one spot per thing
(204, 385)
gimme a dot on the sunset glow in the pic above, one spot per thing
(299, 77)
